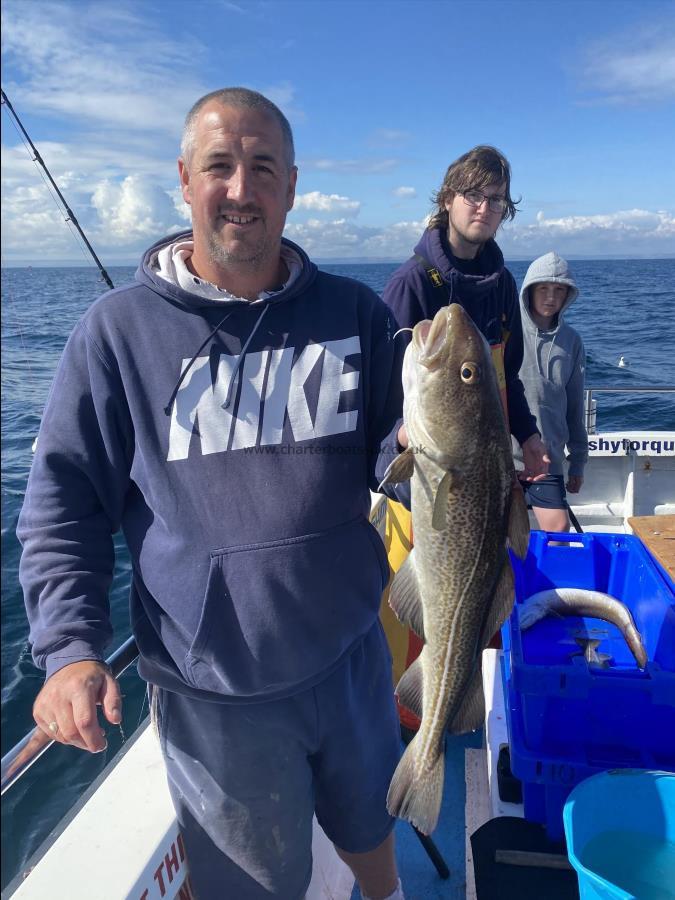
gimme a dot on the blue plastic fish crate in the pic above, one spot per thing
(568, 720)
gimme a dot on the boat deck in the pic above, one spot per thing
(420, 879)
(657, 533)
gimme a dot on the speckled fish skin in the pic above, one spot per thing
(458, 572)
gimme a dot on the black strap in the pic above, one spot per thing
(435, 278)
(439, 283)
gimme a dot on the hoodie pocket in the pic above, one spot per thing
(279, 613)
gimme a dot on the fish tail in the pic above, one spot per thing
(416, 790)
(634, 640)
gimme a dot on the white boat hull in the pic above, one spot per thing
(124, 842)
(628, 474)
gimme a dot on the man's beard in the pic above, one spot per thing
(251, 258)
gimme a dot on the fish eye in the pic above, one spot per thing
(469, 372)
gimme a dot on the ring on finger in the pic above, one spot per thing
(53, 728)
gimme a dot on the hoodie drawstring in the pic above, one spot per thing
(544, 371)
(548, 358)
(240, 358)
(228, 399)
(533, 335)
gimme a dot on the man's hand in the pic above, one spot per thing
(402, 436)
(535, 458)
(574, 483)
(65, 708)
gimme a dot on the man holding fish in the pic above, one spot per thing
(176, 413)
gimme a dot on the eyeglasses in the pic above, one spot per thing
(476, 198)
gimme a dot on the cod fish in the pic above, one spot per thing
(582, 602)
(455, 589)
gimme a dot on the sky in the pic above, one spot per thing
(382, 97)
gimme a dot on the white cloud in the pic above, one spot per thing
(392, 136)
(182, 208)
(332, 203)
(630, 232)
(115, 215)
(124, 192)
(341, 238)
(624, 233)
(101, 195)
(69, 58)
(88, 162)
(632, 220)
(635, 67)
(404, 192)
(133, 210)
(232, 7)
(122, 111)
(72, 65)
(351, 166)
(396, 241)
(35, 231)
(336, 238)
(127, 216)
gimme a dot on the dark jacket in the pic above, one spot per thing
(490, 297)
(255, 568)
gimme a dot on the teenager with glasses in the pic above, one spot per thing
(458, 261)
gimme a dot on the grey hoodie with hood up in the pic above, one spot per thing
(553, 371)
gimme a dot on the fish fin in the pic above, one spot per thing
(589, 649)
(501, 606)
(471, 714)
(410, 689)
(440, 513)
(401, 468)
(404, 596)
(416, 795)
(518, 529)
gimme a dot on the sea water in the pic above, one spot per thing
(625, 308)
(641, 864)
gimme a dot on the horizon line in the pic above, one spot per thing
(337, 260)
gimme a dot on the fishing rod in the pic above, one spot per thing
(71, 216)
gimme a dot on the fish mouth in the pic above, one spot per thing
(430, 338)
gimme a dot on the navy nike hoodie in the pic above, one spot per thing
(234, 444)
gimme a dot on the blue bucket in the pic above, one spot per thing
(620, 830)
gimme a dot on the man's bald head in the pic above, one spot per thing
(243, 98)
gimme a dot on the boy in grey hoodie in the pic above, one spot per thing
(552, 372)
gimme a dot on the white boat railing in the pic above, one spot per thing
(21, 757)
(590, 403)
